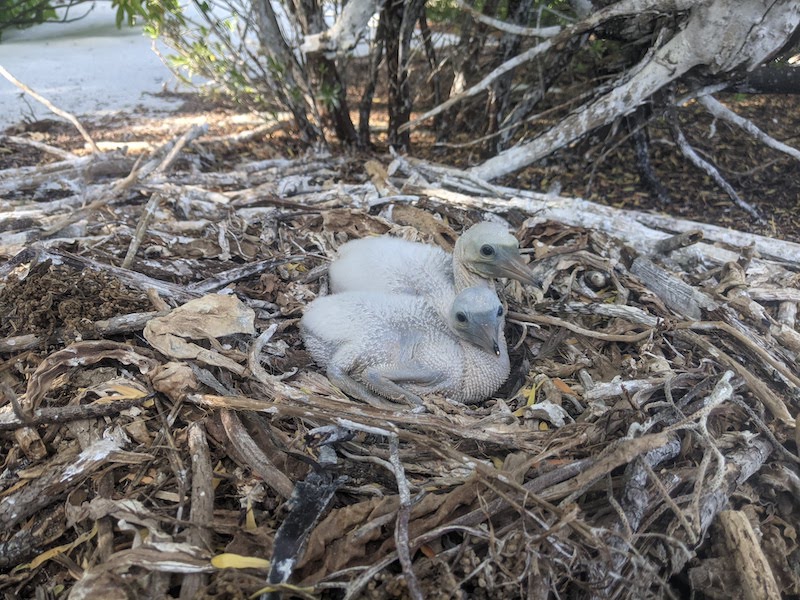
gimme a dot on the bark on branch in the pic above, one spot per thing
(346, 32)
(719, 36)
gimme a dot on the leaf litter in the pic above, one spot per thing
(164, 431)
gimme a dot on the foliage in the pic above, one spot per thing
(212, 39)
(441, 11)
(25, 13)
(152, 12)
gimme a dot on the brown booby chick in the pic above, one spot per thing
(485, 251)
(377, 346)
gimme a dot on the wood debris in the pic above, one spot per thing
(162, 426)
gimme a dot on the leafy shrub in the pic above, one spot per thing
(24, 13)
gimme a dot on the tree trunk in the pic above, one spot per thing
(400, 22)
(392, 17)
(430, 54)
(500, 95)
(332, 90)
(287, 72)
(365, 106)
(343, 35)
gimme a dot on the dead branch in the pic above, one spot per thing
(61, 113)
(608, 337)
(141, 229)
(668, 63)
(483, 84)
(642, 230)
(699, 162)
(544, 32)
(754, 571)
(22, 141)
(99, 329)
(85, 168)
(253, 456)
(50, 416)
(720, 111)
(202, 510)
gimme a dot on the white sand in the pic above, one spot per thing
(89, 68)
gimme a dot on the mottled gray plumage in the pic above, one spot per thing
(376, 345)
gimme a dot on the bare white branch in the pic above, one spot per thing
(61, 113)
(543, 32)
(719, 110)
(744, 35)
(348, 29)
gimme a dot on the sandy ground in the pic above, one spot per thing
(88, 67)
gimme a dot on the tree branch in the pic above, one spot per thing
(698, 161)
(721, 111)
(61, 113)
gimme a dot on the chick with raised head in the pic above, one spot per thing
(485, 251)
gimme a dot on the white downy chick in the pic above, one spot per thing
(378, 346)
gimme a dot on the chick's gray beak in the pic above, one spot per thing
(486, 336)
(510, 264)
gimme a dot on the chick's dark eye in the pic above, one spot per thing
(487, 250)
(500, 311)
(461, 317)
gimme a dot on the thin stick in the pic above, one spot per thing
(555, 321)
(401, 535)
(483, 84)
(544, 32)
(691, 154)
(63, 154)
(61, 113)
(150, 209)
(66, 414)
(719, 110)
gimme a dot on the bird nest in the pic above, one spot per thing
(165, 434)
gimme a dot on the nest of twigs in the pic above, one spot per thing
(163, 427)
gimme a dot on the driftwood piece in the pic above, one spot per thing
(202, 511)
(641, 230)
(84, 169)
(684, 299)
(677, 241)
(752, 567)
